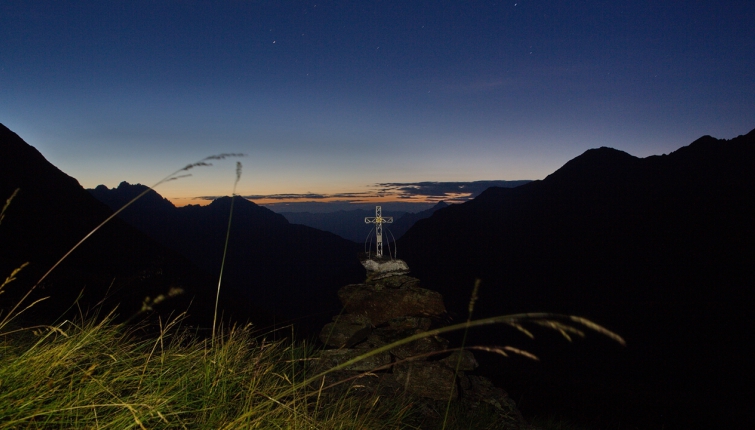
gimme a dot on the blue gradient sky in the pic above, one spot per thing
(334, 97)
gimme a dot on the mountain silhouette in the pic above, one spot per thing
(660, 249)
(50, 214)
(292, 270)
(405, 222)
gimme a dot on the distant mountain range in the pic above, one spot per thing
(660, 249)
(350, 224)
(291, 270)
(274, 270)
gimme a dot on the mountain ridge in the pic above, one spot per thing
(299, 267)
(659, 249)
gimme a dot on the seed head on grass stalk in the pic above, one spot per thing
(7, 203)
(16, 271)
(549, 320)
(178, 174)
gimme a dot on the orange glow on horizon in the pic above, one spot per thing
(458, 198)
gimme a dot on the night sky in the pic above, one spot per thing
(338, 97)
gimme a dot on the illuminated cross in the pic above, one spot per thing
(378, 220)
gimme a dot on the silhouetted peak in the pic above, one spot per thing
(225, 202)
(602, 156)
(440, 205)
(116, 198)
(26, 165)
(702, 142)
(600, 162)
(125, 186)
(245, 207)
(706, 149)
(703, 139)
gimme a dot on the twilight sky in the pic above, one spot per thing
(337, 98)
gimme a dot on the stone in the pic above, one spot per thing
(408, 323)
(429, 379)
(385, 266)
(385, 336)
(391, 306)
(398, 281)
(344, 334)
(381, 304)
(331, 358)
(353, 319)
(467, 362)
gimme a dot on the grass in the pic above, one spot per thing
(103, 375)
(93, 373)
(89, 374)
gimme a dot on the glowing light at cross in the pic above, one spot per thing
(378, 220)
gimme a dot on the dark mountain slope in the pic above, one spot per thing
(401, 225)
(660, 249)
(50, 214)
(291, 270)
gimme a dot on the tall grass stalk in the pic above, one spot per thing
(225, 248)
(472, 301)
(171, 177)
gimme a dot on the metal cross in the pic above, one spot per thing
(378, 220)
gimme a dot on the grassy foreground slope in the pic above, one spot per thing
(112, 376)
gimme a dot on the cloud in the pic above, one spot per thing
(308, 196)
(397, 191)
(443, 190)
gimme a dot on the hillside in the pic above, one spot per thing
(660, 249)
(50, 214)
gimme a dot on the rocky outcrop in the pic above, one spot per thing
(390, 306)
(384, 301)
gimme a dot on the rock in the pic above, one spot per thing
(385, 336)
(388, 307)
(344, 334)
(331, 358)
(422, 347)
(468, 361)
(353, 319)
(384, 267)
(429, 379)
(397, 281)
(381, 304)
(408, 323)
